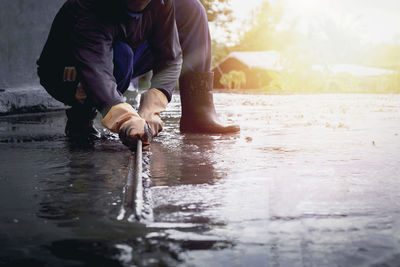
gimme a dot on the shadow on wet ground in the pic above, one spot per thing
(311, 180)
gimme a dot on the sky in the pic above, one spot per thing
(377, 20)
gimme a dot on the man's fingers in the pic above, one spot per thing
(130, 136)
(146, 147)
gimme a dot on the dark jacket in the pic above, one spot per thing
(83, 33)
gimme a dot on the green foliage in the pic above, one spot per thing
(219, 52)
(382, 55)
(219, 13)
(328, 42)
(226, 80)
(297, 76)
(261, 33)
(391, 83)
(218, 10)
(299, 80)
(234, 79)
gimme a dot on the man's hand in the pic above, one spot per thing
(132, 125)
(124, 120)
(129, 135)
(152, 103)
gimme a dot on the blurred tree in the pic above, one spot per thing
(226, 80)
(383, 55)
(334, 41)
(262, 33)
(233, 79)
(238, 78)
(218, 10)
(219, 52)
(219, 13)
(325, 42)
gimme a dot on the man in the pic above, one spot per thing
(95, 48)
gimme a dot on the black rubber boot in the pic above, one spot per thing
(80, 123)
(198, 111)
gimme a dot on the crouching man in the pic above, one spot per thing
(95, 48)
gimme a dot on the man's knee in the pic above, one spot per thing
(123, 55)
(123, 64)
(51, 80)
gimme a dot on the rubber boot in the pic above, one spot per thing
(80, 123)
(198, 111)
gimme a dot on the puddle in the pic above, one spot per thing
(311, 180)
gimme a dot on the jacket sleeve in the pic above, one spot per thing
(92, 49)
(164, 43)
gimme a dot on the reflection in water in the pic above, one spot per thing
(310, 180)
(197, 166)
(182, 171)
(91, 253)
(85, 183)
(190, 162)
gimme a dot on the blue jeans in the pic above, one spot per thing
(194, 37)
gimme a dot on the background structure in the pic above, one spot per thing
(24, 26)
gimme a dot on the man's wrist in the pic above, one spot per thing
(166, 93)
(106, 108)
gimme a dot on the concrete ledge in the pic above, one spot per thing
(26, 100)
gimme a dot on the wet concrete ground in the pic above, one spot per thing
(311, 180)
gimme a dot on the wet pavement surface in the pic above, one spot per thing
(311, 180)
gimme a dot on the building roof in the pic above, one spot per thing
(354, 70)
(268, 60)
(358, 71)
